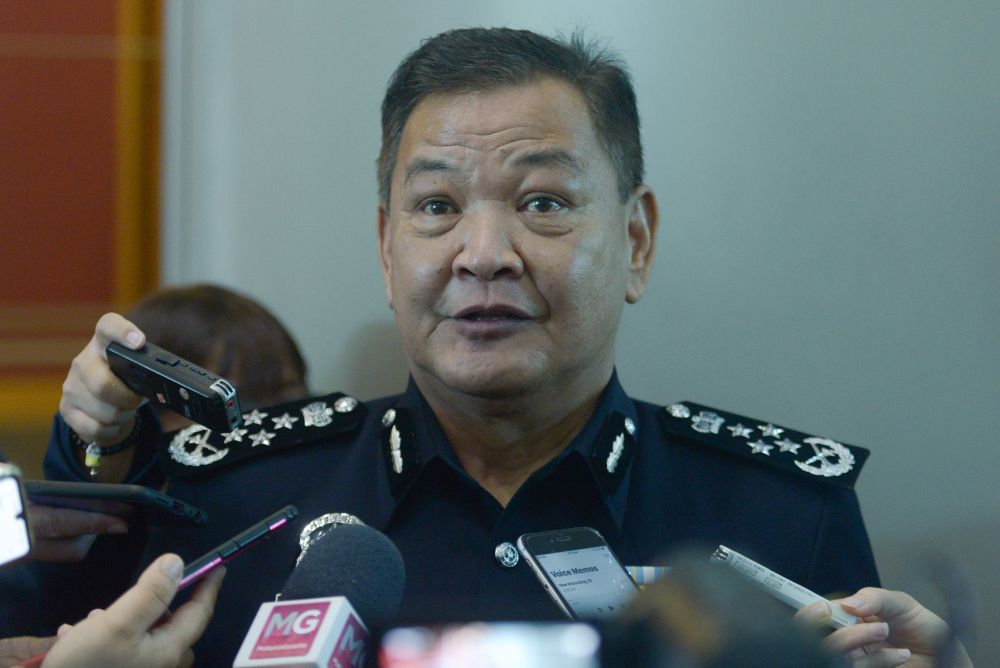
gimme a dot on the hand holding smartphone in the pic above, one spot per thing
(579, 571)
(116, 499)
(780, 587)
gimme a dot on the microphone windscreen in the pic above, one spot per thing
(355, 561)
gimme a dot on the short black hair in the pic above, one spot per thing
(476, 59)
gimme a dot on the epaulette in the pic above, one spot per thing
(792, 451)
(197, 449)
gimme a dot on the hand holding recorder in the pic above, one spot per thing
(100, 392)
(95, 403)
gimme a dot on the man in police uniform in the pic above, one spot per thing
(513, 225)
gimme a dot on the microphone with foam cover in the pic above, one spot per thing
(350, 573)
(355, 561)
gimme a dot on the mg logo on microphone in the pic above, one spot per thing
(350, 649)
(295, 623)
(290, 630)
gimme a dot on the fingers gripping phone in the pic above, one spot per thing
(15, 538)
(579, 571)
(116, 499)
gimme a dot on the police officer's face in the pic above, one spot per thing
(507, 251)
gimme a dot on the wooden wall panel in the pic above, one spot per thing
(79, 153)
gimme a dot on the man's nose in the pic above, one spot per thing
(488, 251)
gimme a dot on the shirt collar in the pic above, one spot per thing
(606, 444)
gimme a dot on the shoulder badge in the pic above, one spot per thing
(793, 451)
(197, 448)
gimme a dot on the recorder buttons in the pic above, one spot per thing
(166, 358)
(507, 555)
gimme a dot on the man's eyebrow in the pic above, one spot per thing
(422, 165)
(548, 158)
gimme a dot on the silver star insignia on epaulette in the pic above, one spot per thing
(262, 437)
(284, 422)
(235, 435)
(761, 447)
(254, 417)
(785, 445)
(739, 431)
(770, 431)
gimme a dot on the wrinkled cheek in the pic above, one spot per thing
(418, 290)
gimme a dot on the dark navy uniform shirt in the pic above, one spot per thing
(649, 481)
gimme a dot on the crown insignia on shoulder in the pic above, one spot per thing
(197, 448)
(792, 451)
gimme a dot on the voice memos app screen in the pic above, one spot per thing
(589, 580)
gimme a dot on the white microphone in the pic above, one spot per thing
(314, 624)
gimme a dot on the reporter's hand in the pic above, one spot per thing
(893, 629)
(66, 534)
(15, 650)
(127, 633)
(95, 403)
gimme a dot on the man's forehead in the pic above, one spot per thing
(538, 123)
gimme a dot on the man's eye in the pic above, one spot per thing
(437, 207)
(543, 205)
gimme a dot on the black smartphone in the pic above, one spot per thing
(116, 499)
(178, 385)
(579, 571)
(15, 538)
(236, 545)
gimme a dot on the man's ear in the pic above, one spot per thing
(644, 219)
(384, 234)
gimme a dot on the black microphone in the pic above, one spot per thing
(354, 561)
(349, 573)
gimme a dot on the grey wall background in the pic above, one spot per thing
(829, 181)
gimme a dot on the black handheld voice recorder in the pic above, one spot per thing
(178, 385)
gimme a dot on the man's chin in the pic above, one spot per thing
(493, 382)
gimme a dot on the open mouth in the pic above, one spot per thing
(491, 314)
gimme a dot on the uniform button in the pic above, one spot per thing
(507, 555)
(345, 404)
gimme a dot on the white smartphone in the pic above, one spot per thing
(779, 586)
(579, 571)
(15, 538)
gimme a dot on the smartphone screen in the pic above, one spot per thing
(14, 540)
(579, 571)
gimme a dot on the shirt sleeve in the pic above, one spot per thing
(61, 462)
(843, 554)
